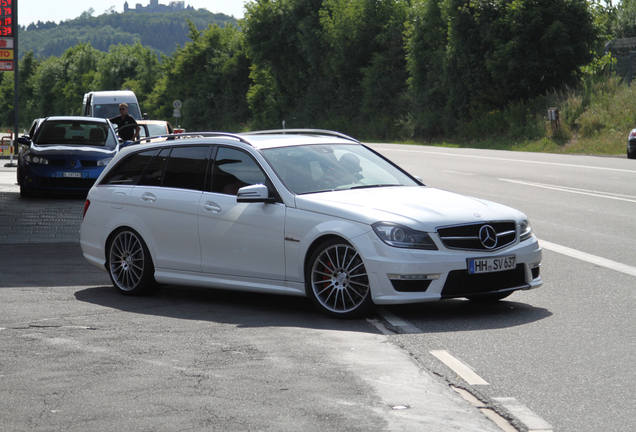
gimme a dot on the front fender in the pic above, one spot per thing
(304, 230)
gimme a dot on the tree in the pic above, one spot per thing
(499, 52)
(210, 76)
(283, 40)
(132, 67)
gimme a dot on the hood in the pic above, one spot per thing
(72, 151)
(419, 207)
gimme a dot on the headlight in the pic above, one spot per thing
(403, 237)
(525, 230)
(104, 162)
(37, 160)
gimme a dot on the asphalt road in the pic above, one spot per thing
(567, 350)
(77, 356)
(557, 358)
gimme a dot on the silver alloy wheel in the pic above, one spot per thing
(339, 279)
(126, 261)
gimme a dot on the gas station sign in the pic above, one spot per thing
(7, 23)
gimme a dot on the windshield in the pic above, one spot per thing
(319, 168)
(154, 129)
(112, 110)
(74, 132)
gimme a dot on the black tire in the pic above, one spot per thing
(489, 298)
(24, 192)
(337, 281)
(129, 264)
(631, 155)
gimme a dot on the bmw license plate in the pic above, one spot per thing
(490, 265)
(72, 174)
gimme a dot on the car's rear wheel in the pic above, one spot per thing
(631, 155)
(337, 281)
(129, 264)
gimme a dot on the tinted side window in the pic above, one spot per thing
(153, 175)
(128, 171)
(186, 168)
(234, 169)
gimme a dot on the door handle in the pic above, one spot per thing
(148, 197)
(212, 206)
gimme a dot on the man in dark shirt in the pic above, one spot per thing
(123, 119)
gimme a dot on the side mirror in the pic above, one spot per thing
(254, 193)
(24, 140)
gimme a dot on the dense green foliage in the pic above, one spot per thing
(161, 32)
(376, 69)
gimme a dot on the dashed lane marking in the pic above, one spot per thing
(459, 368)
(592, 259)
(395, 321)
(532, 421)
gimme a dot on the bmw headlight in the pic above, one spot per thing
(37, 160)
(403, 237)
(104, 162)
(525, 230)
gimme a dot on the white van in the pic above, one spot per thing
(105, 104)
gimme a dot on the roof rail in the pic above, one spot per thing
(187, 135)
(302, 131)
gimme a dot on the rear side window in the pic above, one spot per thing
(186, 168)
(153, 175)
(128, 171)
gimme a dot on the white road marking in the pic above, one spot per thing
(592, 259)
(459, 172)
(598, 194)
(533, 422)
(509, 160)
(459, 368)
(396, 321)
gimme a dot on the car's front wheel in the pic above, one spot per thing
(129, 264)
(337, 281)
(24, 192)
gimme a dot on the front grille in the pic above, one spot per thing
(460, 283)
(65, 183)
(466, 237)
(88, 163)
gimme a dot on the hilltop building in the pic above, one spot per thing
(154, 6)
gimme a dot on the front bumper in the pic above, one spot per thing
(47, 179)
(411, 276)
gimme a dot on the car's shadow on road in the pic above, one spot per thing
(464, 315)
(246, 309)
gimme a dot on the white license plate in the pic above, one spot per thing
(72, 174)
(490, 265)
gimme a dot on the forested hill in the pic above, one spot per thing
(161, 32)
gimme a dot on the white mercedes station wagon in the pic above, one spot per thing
(299, 212)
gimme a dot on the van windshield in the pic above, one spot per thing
(112, 110)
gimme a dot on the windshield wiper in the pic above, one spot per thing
(374, 186)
